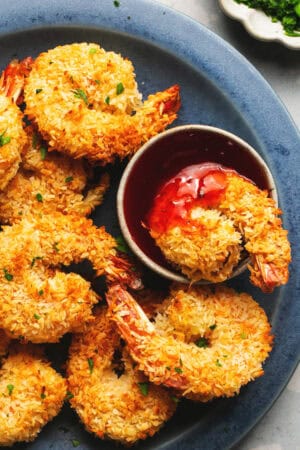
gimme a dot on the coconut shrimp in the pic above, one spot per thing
(205, 342)
(111, 396)
(85, 102)
(207, 214)
(60, 181)
(32, 394)
(40, 302)
(12, 140)
(12, 135)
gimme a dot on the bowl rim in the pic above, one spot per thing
(164, 272)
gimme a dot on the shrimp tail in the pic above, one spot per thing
(269, 276)
(129, 316)
(121, 270)
(13, 78)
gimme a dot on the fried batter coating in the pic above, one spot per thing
(112, 398)
(205, 342)
(4, 343)
(85, 102)
(32, 394)
(59, 180)
(208, 248)
(12, 139)
(257, 217)
(39, 301)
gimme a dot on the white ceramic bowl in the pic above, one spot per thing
(160, 159)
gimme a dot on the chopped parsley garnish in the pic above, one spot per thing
(37, 91)
(121, 245)
(116, 3)
(4, 139)
(36, 316)
(91, 364)
(92, 51)
(69, 179)
(75, 443)
(43, 152)
(97, 81)
(79, 93)
(285, 11)
(202, 342)
(107, 100)
(35, 140)
(175, 399)
(69, 395)
(120, 88)
(213, 327)
(144, 388)
(243, 335)
(36, 258)
(55, 247)
(39, 197)
(218, 363)
(178, 369)
(40, 292)
(8, 275)
(10, 388)
(43, 395)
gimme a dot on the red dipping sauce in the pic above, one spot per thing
(184, 167)
(197, 185)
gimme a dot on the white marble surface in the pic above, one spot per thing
(280, 427)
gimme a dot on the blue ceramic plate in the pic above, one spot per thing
(220, 88)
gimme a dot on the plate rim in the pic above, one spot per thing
(180, 41)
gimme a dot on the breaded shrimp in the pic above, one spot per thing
(207, 248)
(111, 396)
(203, 218)
(258, 219)
(12, 139)
(85, 102)
(59, 180)
(39, 301)
(32, 394)
(205, 343)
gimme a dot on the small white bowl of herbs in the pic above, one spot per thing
(268, 20)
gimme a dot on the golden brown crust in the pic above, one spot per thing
(234, 327)
(85, 99)
(32, 394)
(111, 404)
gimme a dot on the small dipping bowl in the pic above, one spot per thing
(161, 158)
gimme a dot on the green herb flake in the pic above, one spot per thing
(69, 179)
(55, 247)
(4, 139)
(35, 140)
(175, 399)
(97, 81)
(178, 369)
(10, 388)
(202, 342)
(213, 327)
(40, 292)
(120, 88)
(79, 93)
(36, 258)
(39, 197)
(116, 3)
(37, 91)
(43, 153)
(90, 364)
(121, 245)
(218, 363)
(7, 275)
(75, 443)
(36, 316)
(243, 335)
(69, 396)
(144, 388)
(107, 100)
(43, 395)
(92, 51)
